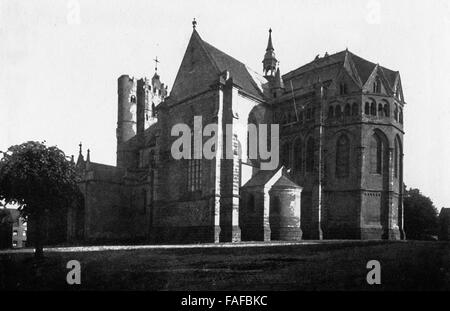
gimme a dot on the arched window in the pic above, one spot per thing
(396, 113)
(375, 154)
(343, 88)
(133, 99)
(331, 112)
(377, 86)
(380, 110)
(342, 156)
(347, 110)
(338, 111)
(386, 110)
(401, 116)
(194, 173)
(298, 155)
(310, 155)
(285, 154)
(373, 109)
(355, 109)
(367, 108)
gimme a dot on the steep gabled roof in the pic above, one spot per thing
(320, 67)
(237, 69)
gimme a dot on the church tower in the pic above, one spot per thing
(271, 69)
(269, 62)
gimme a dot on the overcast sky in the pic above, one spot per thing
(60, 60)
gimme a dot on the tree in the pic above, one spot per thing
(420, 215)
(39, 179)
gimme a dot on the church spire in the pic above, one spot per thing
(269, 61)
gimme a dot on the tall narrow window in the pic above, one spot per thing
(355, 109)
(331, 112)
(367, 108)
(386, 110)
(347, 110)
(338, 111)
(396, 113)
(380, 110)
(310, 155)
(298, 156)
(194, 171)
(400, 117)
(375, 154)
(342, 156)
(396, 158)
(373, 109)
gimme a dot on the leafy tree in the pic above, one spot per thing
(420, 215)
(39, 179)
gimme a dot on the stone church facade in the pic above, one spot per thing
(341, 155)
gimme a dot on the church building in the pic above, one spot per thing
(340, 172)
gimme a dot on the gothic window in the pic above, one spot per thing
(342, 89)
(380, 110)
(285, 154)
(298, 155)
(133, 99)
(354, 109)
(330, 112)
(367, 108)
(386, 110)
(194, 174)
(396, 113)
(347, 110)
(377, 86)
(375, 154)
(310, 155)
(338, 111)
(401, 116)
(373, 109)
(342, 156)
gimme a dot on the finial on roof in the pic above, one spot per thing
(194, 23)
(88, 157)
(81, 148)
(72, 159)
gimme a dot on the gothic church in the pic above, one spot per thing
(341, 155)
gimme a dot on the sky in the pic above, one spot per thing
(60, 60)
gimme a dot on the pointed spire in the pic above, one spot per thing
(269, 61)
(269, 43)
(80, 160)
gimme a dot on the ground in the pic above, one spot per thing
(324, 265)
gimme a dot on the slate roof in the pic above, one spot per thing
(285, 182)
(238, 70)
(323, 67)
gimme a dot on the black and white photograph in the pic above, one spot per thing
(224, 150)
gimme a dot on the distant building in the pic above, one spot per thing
(13, 229)
(444, 224)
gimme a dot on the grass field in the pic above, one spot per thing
(319, 266)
